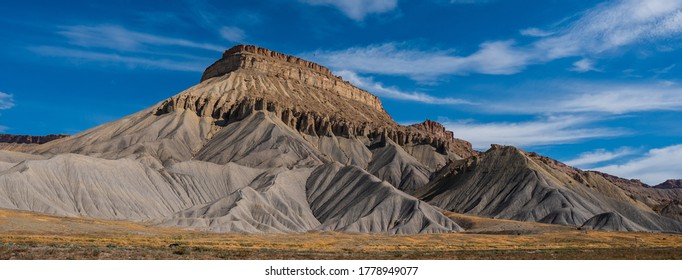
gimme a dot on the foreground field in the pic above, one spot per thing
(25, 235)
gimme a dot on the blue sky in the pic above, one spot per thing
(595, 84)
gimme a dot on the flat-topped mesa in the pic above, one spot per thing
(288, 67)
(305, 96)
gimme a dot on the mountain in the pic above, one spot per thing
(670, 184)
(271, 143)
(508, 183)
(19, 143)
(265, 143)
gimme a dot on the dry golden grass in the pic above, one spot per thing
(25, 235)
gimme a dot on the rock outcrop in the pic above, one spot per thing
(670, 184)
(306, 96)
(288, 67)
(434, 128)
(29, 139)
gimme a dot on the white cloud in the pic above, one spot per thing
(498, 57)
(130, 61)
(619, 99)
(120, 38)
(613, 25)
(662, 71)
(535, 32)
(584, 65)
(599, 155)
(118, 45)
(357, 9)
(379, 89)
(232, 33)
(548, 131)
(604, 28)
(592, 97)
(6, 101)
(656, 166)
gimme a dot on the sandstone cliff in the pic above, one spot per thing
(434, 128)
(306, 96)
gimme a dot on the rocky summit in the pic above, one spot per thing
(271, 143)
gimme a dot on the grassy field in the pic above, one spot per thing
(25, 235)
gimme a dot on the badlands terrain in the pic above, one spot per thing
(271, 144)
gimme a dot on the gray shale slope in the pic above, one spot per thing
(270, 143)
(508, 183)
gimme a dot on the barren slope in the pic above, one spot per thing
(508, 183)
(271, 143)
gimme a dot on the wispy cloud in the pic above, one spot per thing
(399, 59)
(604, 28)
(569, 97)
(379, 89)
(535, 32)
(129, 61)
(232, 33)
(117, 45)
(545, 131)
(357, 9)
(624, 99)
(665, 70)
(600, 155)
(656, 166)
(584, 65)
(6, 101)
(209, 17)
(612, 25)
(119, 38)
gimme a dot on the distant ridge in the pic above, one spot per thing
(29, 139)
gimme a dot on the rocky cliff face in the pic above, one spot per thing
(29, 139)
(305, 96)
(434, 128)
(288, 67)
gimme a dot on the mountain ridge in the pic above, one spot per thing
(242, 152)
(268, 142)
(29, 139)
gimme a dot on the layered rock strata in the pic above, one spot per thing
(305, 95)
(29, 139)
